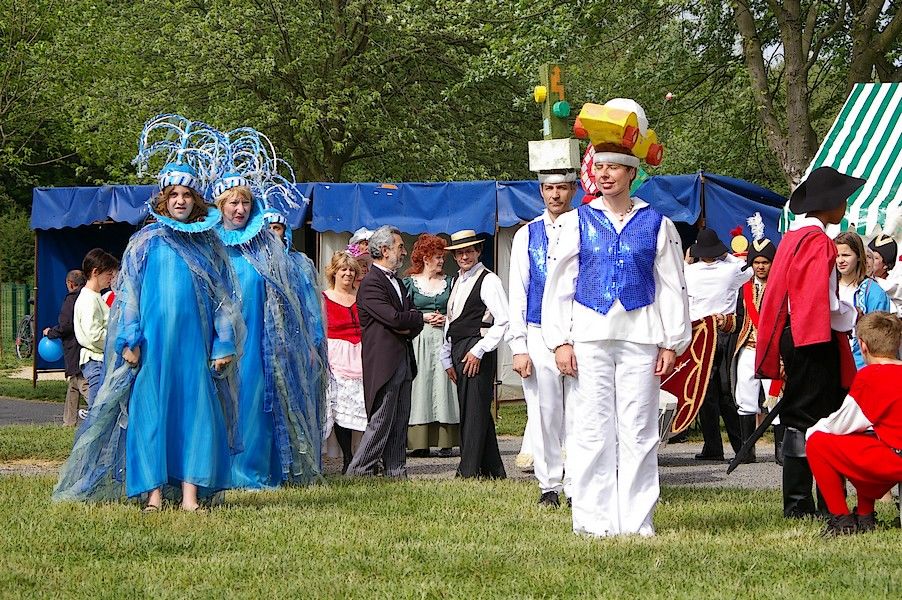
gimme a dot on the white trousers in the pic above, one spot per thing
(747, 387)
(544, 392)
(612, 444)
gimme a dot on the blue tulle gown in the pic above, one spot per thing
(258, 466)
(172, 419)
(283, 369)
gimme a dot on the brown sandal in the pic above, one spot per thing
(150, 509)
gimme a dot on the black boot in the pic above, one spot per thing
(778, 443)
(798, 500)
(747, 426)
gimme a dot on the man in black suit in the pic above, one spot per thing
(389, 322)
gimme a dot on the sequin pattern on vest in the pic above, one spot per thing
(616, 266)
(538, 271)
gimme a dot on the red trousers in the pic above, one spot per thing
(869, 464)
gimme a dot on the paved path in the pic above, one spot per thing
(15, 411)
(678, 467)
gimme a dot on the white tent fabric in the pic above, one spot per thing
(866, 141)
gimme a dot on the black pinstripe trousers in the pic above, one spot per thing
(385, 437)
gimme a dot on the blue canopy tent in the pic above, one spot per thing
(414, 208)
(725, 202)
(69, 221)
(411, 207)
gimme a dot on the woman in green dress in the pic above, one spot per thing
(434, 413)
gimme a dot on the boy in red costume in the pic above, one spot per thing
(862, 441)
(801, 322)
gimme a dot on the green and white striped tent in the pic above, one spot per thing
(866, 141)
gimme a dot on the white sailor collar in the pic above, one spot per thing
(806, 221)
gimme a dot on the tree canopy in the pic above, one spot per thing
(353, 90)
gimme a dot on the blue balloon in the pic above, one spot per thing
(50, 350)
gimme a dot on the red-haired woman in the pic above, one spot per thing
(434, 413)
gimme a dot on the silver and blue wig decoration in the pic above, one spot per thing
(189, 148)
(245, 157)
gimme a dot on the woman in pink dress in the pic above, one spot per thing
(346, 411)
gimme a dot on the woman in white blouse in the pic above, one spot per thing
(615, 313)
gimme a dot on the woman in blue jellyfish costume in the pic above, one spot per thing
(306, 278)
(282, 371)
(165, 420)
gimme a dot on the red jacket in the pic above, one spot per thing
(800, 277)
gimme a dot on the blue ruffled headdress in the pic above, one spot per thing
(190, 148)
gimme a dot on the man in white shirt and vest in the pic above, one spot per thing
(475, 325)
(543, 384)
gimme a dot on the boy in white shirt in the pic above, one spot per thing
(91, 315)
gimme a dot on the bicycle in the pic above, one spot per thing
(25, 335)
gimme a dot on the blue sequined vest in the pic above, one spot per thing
(538, 271)
(616, 266)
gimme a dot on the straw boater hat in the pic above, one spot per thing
(463, 239)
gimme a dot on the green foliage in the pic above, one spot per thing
(354, 90)
(35, 136)
(428, 539)
(16, 244)
(347, 90)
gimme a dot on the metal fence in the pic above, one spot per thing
(14, 306)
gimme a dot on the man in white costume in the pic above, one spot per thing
(712, 284)
(543, 384)
(616, 314)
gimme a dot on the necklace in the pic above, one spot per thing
(621, 216)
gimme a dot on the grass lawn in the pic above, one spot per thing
(511, 418)
(21, 388)
(35, 442)
(427, 539)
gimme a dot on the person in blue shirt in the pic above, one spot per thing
(283, 370)
(855, 287)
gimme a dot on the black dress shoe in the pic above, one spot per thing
(703, 456)
(419, 453)
(444, 452)
(550, 499)
(840, 525)
(866, 522)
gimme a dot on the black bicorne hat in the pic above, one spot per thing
(763, 247)
(886, 247)
(825, 189)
